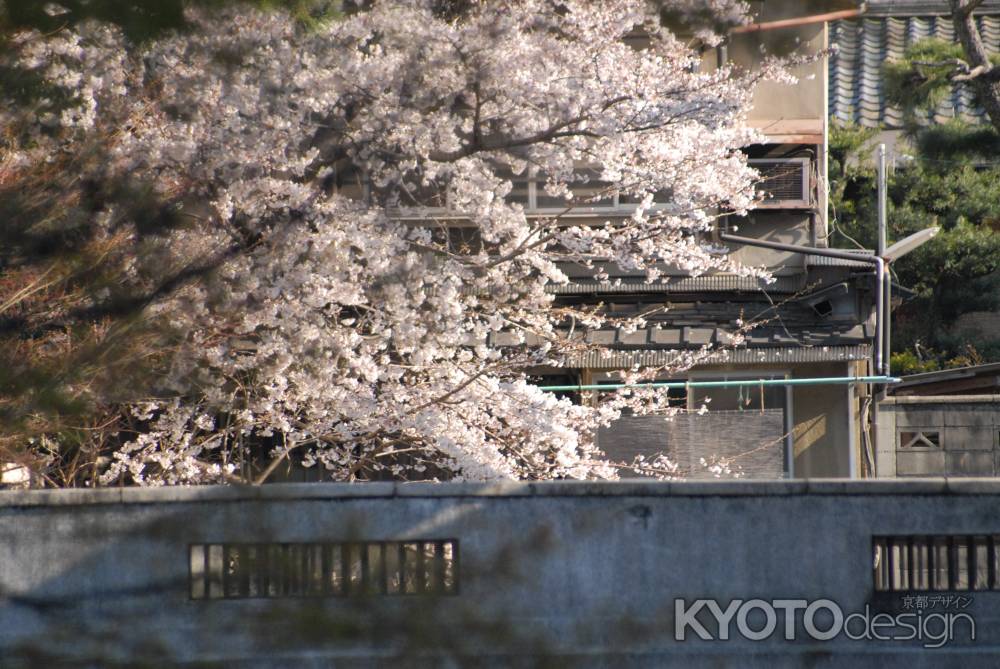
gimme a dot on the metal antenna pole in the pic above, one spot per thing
(882, 324)
(883, 225)
(881, 201)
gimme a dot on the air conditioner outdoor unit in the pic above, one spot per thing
(784, 182)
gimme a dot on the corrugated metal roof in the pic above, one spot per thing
(693, 335)
(743, 356)
(826, 261)
(950, 374)
(716, 283)
(856, 92)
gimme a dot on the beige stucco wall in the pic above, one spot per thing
(804, 99)
(824, 435)
(824, 419)
(786, 227)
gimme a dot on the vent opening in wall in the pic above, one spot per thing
(823, 308)
(935, 563)
(784, 182)
(920, 439)
(267, 570)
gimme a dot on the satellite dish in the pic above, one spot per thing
(907, 244)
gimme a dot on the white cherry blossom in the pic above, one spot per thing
(343, 325)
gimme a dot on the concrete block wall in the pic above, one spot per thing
(967, 427)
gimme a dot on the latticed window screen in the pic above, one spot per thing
(782, 179)
(935, 563)
(245, 570)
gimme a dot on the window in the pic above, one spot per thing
(920, 439)
(591, 195)
(676, 397)
(739, 398)
(269, 570)
(767, 410)
(935, 563)
(746, 430)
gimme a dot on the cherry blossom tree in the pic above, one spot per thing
(320, 303)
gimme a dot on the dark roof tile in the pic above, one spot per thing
(855, 70)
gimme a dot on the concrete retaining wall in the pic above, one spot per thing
(573, 574)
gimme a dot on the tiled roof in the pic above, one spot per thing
(856, 90)
(920, 7)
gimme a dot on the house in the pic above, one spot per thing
(816, 320)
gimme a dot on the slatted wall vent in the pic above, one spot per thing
(271, 570)
(783, 180)
(935, 563)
